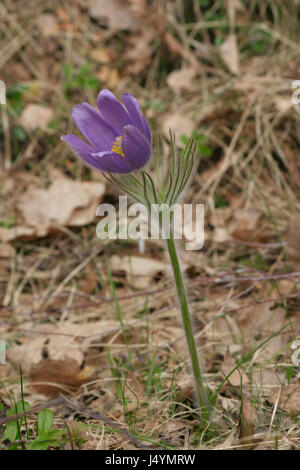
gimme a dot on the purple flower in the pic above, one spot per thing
(119, 137)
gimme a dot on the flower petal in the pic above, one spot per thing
(81, 148)
(94, 128)
(147, 130)
(136, 147)
(112, 111)
(112, 162)
(134, 112)
(104, 161)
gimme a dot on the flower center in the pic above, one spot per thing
(117, 146)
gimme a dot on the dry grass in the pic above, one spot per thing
(63, 294)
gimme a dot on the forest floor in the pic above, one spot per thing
(95, 350)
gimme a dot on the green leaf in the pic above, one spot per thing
(67, 70)
(220, 201)
(92, 83)
(260, 47)
(204, 150)
(19, 133)
(40, 443)
(18, 408)
(11, 431)
(184, 139)
(11, 428)
(45, 421)
(43, 441)
(85, 68)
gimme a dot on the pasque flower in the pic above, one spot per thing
(119, 137)
(119, 141)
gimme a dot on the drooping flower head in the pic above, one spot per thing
(119, 137)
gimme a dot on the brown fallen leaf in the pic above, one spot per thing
(176, 425)
(244, 226)
(237, 377)
(180, 80)
(47, 24)
(20, 72)
(53, 346)
(35, 116)
(267, 380)
(138, 268)
(16, 233)
(185, 387)
(58, 343)
(108, 76)
(179, 123)
(230, 54)
(52, 377)
(64, 203)
(289, 399)
(6, 250)
(102, 55)
(262, 321)
(117, 14)
(254, 324)
(283, 103)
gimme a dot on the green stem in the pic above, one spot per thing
(202, 397)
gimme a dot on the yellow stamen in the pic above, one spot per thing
(117, 146)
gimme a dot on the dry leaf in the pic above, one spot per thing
(16, 233)
(55, 355)
(117, 14)
(289, 399)
(220, 235)
(58, 342)
(53, 346)
(230, 54)
(244, 226)
(237, 377)
(6, 250)
(35, 116)
(140, 269)
(179, 123)
(47, 24)
(262, 321)
(229, 441)
(176, 425)
(185, 387)
(19, 71)
(180, 80)
(52, 377)
(108, 76)
(266, 380)
(283, 103)
(64, 203)
(102, 55)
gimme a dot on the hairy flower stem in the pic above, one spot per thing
(202, 397)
